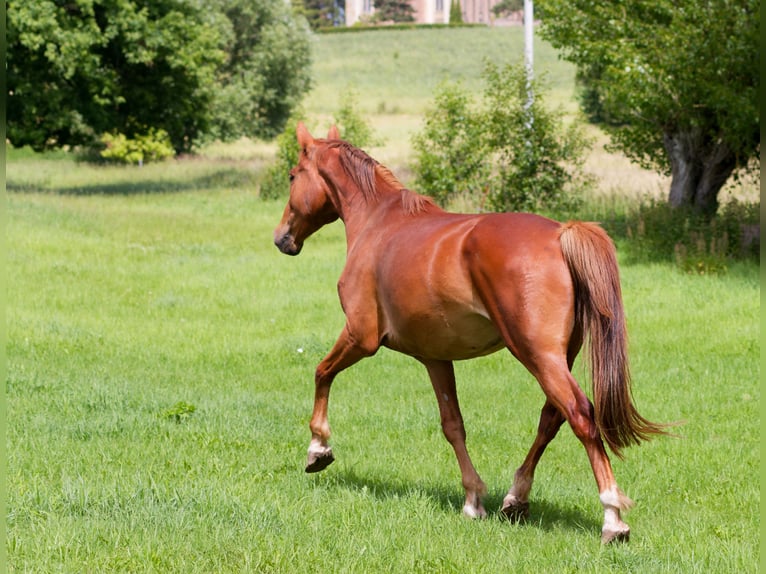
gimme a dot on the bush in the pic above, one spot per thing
(450, 150)
(276, 182)
(507, 153)
(696, 243)
(352, 126)
(539, 159)
(155, 145)
(455, 13)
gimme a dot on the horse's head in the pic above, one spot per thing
(310, 205)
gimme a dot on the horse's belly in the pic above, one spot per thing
(445, 338)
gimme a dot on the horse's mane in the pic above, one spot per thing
(364, 170)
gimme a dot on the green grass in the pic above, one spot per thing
(160, 364)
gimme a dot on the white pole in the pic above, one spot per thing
(529, 34)
(529, 22)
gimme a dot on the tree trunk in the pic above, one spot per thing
(699, 169)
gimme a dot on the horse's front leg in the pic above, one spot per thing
(344, 353)
(442, 376)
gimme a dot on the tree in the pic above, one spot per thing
(78, 69)
(394, 11)
(455, 13)
(677, 79)
(85, 67)
(266, 71)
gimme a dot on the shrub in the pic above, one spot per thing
(450, 150)
(508, 154)
(276, 182)
(154, 145)
(455, 13)
(696, 243)
(352, 126)
(539, 159)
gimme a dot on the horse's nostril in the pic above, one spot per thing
(286, 244)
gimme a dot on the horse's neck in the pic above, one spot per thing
(357, 210)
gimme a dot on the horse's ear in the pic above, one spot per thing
(303, 135)
(333, 134)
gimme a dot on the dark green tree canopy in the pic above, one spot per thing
(266, 70)
(79, 68)
(678, 80)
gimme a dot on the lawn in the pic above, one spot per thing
(160, 364)
(161, 354)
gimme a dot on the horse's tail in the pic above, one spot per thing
(592, 261)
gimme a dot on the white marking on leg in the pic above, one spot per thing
(612, 520)
(614, 500)
(317, 447)
(614, 497)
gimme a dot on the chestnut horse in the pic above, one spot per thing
(441, 287)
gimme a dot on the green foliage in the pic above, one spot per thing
(320, 14)
(451, 149)
(352, 126)
(539, 157)
(665, 72)
(80, 69)
(155, 145)
(455, 13)
(276, 182)
(515, 155)
(505, 7)
(394, 11)
(179, 412)
(266, 72)
(696, 243)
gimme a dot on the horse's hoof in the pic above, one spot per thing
(515, 511)
(609, 536)
(319, 460)
(474, 512)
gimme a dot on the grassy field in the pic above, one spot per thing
(160, 380)
(160, 363)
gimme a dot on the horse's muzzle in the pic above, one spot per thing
(286, 243)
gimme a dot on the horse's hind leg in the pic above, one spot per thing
(516, 502)
(442, 376)
(562, 390)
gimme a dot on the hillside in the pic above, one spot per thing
(394, 74)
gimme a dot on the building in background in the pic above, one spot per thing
(426, 11)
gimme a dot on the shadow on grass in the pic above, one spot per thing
(544, 514)
(220, 178)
